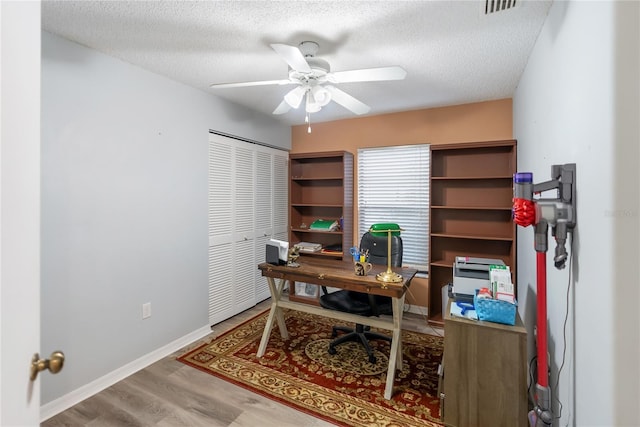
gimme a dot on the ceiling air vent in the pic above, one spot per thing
(493, 6)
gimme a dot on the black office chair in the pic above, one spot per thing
(361, 303)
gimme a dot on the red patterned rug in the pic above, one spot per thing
(344, 388)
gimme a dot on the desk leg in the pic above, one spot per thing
(398, 311)
(274, 313)
(395, 356)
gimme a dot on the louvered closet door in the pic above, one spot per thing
(231, 228)
(244, 262)
(271, 207)
(221, 228)
(281, 195)
(247, 206)
(264, 217)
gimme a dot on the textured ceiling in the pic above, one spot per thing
(453, 53)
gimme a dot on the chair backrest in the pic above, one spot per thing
(377, 246)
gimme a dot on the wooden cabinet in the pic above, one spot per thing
(485, 373)
(321, 187)
(470, 211)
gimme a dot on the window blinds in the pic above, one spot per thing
(393, 186)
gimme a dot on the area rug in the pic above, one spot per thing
(344, 389)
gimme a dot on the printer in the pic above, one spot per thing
(470, 274)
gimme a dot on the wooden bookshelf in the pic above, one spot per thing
(321, 187)
(470, 211)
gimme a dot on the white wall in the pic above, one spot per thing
(577, 102)
(124, 208)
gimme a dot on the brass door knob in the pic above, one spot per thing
(53, 364)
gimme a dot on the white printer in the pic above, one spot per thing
(470, 274)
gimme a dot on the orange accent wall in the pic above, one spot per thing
(482, 121)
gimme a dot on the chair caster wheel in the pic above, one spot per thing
(334, 334)
(332, 350)
(372, 360)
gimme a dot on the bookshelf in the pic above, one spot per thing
(320, 187)
(470, 212)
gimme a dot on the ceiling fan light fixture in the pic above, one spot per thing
(321, 95)
(312, 106)
(294, 97)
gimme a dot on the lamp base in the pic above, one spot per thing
(389, 276)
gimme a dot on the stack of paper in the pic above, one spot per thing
(501, 286)
(309, 247)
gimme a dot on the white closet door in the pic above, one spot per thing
(248, 197)
(221, 227)
(244, 253)
(271, 207)
(264, 217)
(280, 186)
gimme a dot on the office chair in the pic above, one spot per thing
(362, 303)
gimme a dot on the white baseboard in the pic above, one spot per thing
(54, 407)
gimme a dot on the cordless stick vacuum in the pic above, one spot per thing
(560, 214)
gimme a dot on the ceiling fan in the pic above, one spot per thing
(315, 82)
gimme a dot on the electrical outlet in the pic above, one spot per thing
(146, 310)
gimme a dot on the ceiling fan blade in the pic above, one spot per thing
(282, 108)
(368, 75)
(347, 101)
(247, 84)
(292, 56)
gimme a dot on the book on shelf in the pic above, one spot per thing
(332, 249)
(324, 225)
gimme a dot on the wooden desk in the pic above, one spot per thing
(338, 274)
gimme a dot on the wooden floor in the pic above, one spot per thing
(169, 393)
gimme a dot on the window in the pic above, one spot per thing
(393, 186)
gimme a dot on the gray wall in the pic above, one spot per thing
(577, 102)
(124, 208)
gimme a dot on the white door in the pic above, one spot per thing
(244, 261)
(19, 211)
(271, 208)
(221, 175)
(263, 219)
(281, 196)
(231, 228)
(247, 206)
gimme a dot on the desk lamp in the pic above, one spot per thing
(390, 229)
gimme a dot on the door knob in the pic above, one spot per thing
(53, 364)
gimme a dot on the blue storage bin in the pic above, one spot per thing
(493, 310)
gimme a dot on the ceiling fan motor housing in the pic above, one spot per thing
(308, 48)
(319, 70)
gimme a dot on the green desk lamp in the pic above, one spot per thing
(390, 229)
